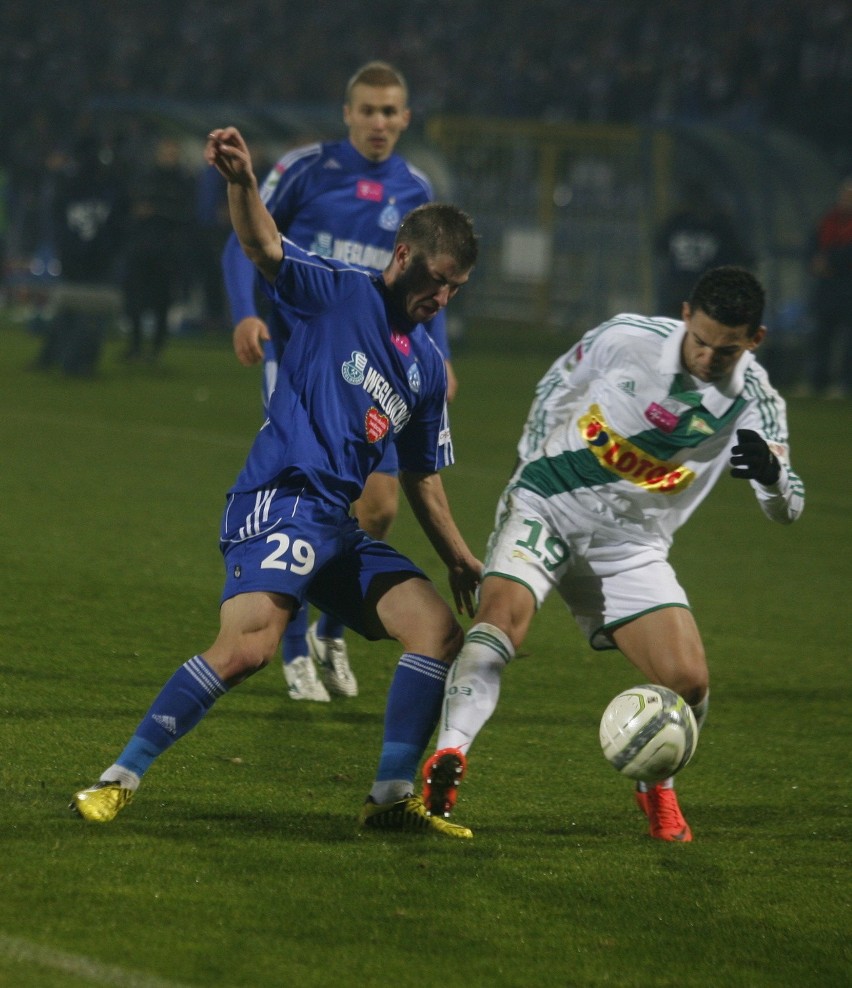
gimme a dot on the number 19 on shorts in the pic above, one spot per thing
(551, 550)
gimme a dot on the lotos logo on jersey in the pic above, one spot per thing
(353, 369)
(375, 425)
(371, 191)
(628, 461)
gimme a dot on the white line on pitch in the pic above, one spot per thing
(27, 952)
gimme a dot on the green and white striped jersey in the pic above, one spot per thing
(627, 440)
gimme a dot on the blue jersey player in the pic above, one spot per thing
(359, 373)
(342, 199)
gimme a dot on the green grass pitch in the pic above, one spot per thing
(239, 863)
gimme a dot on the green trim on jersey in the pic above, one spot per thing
(605, 644)
(694, 426)
(537, 426)
(569, 471)
(575, 469)
(512, 579)
(764, 403)
(648, 324)
(681, 391)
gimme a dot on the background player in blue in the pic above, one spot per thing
(359, 372)
(341, 199)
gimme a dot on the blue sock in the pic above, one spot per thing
(413, 708)
(329, 627)
(295, 637)
(180, 705)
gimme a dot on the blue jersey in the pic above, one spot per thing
(330, 199)
(355, 377)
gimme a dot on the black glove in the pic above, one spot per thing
(752, 459)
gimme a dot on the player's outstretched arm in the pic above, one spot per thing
(779, 490)
(428, 500)
(752, 459)
(227, 151)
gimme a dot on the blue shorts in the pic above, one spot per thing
(293, 543)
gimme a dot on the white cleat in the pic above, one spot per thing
(303, 682)
(332, 660)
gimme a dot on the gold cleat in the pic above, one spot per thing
(101, 802)
(408, 814)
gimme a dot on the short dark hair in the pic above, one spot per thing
(376, 74)
(440, 228)
(731, 295)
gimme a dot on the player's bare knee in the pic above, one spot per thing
(453, 644)
(694, 695)
(440, 637)
(236, 659)
(691, 684)
(379, 526)
(376, 518)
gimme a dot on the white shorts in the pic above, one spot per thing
(604, 581)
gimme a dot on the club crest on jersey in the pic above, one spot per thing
(618, 455)
(375, 425)
(353, 369)
(401, 342)
(698, 424)
(414, 377)
(371, 191)
(322, 244)
(389, 219)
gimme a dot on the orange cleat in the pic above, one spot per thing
(664, 815)
(442, 774)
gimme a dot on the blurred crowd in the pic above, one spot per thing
(781, 61)
(736, 62)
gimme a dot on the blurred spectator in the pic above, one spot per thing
(88, 212)
(213, 227)
(831, 305)
(735, 63)
(157, 247)
(699, 235)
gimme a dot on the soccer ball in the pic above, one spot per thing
(648, 733)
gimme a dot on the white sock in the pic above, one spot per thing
(115, 773)
(648, 786)
(390, 790)
(473, 686)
